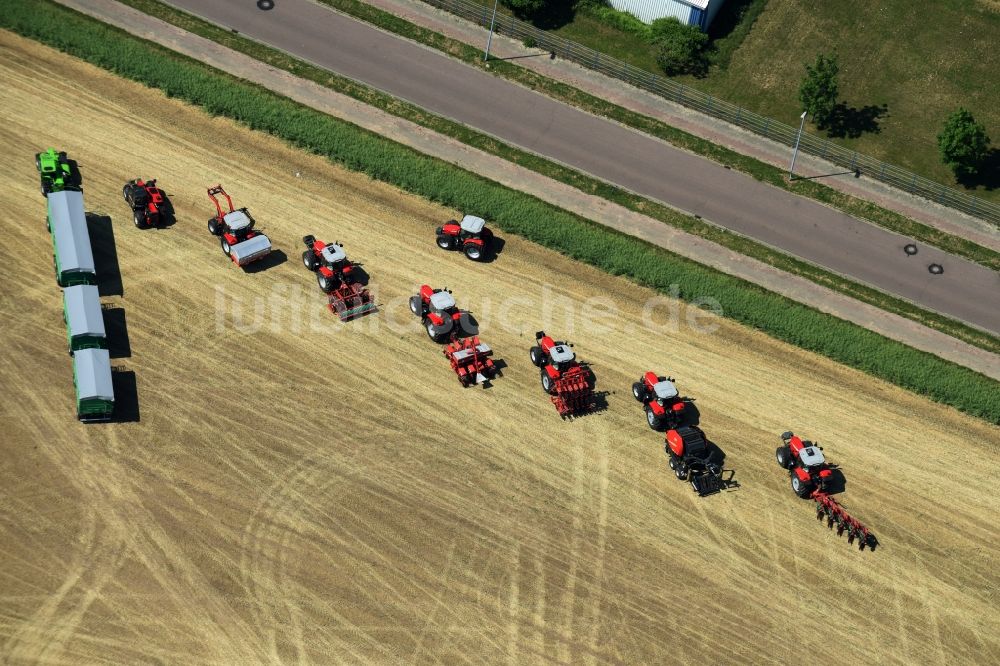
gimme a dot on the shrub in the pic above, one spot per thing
(963, 144)
(525, 8)
(680, 49)
(513, 211)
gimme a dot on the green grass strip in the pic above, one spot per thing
(751, 166)
(742, 244)
(513, 212)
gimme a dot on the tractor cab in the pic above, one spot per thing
(238, 222)
(665, 390)
(441, 301)
(811, 456)
(472, 225)
(333, 256)
(562, 356)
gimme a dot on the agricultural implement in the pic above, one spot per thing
(470, 359)
(55, 171)
(438, 313)
(350, 300)
(811, 476)
(235, 229)
(664, 407)
(147, 201)
(569, 384)
(691, 458)
(471, 236)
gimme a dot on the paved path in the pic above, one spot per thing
(719, 132)
(600, 210)
(617, 154)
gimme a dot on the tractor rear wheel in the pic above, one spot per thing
(213, 226)
(415, 304)
(654, 421)
(445, 242)
(800, 487)
(639, 391)
(327, 284)
(784, 457)
(225, 247)
(139, 218)
(473, 251)
(536, 356)
(433, 333)
(548, 385)
(309, 260)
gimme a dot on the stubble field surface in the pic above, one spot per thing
(295, 489)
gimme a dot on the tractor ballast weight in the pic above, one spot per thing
(810, 474)
(664, 406)
(471, 236)
(235, 229)
(146, 200)
(470, 359)
(690, 457)
(569, 384)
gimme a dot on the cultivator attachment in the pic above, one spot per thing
(350, 301)
(827, 507)
(572, 393)
(470, 359)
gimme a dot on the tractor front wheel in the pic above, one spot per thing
(536, 356)
(800, 487)
(639, 391)
(654, 421)
(213, 227)
(445, 242)
(784, 457)
(415, 304)
(681, 472)
(139, 218)
(309, 260)
(548, 385)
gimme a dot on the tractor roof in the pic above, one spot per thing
(811, 456)
(237, 220)
(442, 300)
(473, 224)
(665, 390)
(333, 253)
(561, 354)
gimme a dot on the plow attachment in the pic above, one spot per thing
(350, 301)
(573, 393)
(470, 359)
(828, 508)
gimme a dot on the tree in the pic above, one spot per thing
(963, 144)
(680, 48)
(818, 92)
(524, 8)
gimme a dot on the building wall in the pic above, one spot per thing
(648, 11)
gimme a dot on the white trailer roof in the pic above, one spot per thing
(83, 311)
(92, 370)
(69, 228)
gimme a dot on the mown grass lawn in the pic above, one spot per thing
(904, 66)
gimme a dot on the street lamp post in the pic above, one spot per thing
(489, 40)
(795, 152)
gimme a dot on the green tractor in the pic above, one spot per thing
(56, 172)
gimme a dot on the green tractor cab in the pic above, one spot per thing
(55, 171)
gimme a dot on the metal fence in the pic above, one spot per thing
(717, 108)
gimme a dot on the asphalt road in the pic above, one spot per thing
(607, 150)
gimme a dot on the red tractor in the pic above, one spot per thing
(239, 241)
(665, 408)
(470, 235)
(691, 458)
(328, 261)
(569, 384)
(438, 313)
(805, 463)
(147, 201)
(811, 477)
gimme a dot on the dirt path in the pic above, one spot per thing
(298, 490)
(594, 208)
